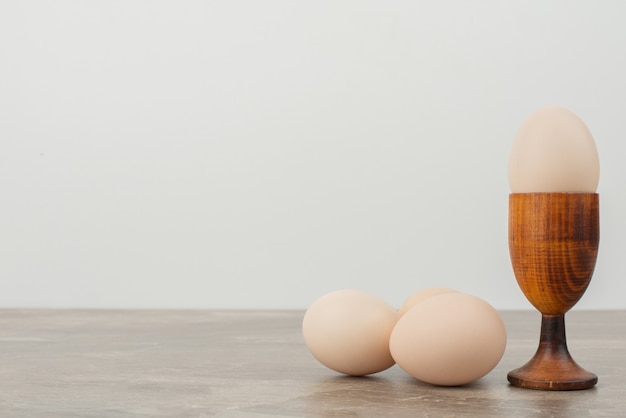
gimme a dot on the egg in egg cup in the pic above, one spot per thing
(553, 236)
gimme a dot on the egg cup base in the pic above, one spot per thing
(552, 367)
(570, 377)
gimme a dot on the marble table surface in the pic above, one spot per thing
(99, 363)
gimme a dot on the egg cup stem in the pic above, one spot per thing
(552, 367)
(553, 242)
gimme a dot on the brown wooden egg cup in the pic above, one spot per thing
(553, 241)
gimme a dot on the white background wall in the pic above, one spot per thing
(258, 154)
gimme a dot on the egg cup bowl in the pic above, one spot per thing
(553, 243)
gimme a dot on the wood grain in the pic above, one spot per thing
(552, 367)
(553, 242)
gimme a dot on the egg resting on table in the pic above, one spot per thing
(422, 295)
(348, 331)
(450, 339)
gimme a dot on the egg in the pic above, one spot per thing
(450, 339)
(554, 151)
(421, 295)
(348, 331)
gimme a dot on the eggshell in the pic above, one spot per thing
(421, 295)
(450, 339)
(348, 331)
(554, 152)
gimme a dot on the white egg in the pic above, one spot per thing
(450, 339)
(554, 152)
(348, 331)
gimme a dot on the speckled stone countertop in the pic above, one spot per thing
(93, 363)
